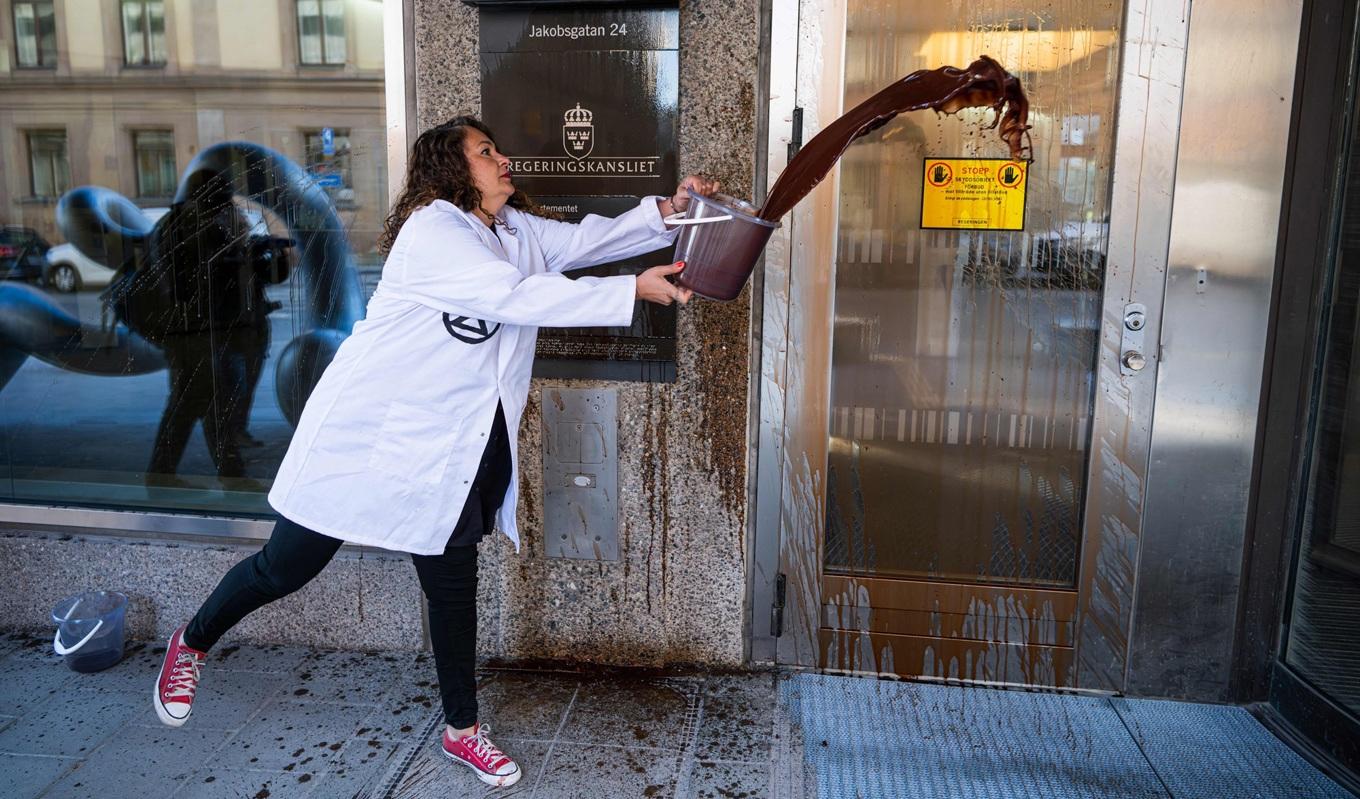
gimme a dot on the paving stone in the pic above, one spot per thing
(359, 766)
(524, 705)
(433, 776)
(27, 776)
(28, 678)
(73, 723)
(738, 716)
(12, 641)
(708, 780)
(141, 761)
(222, 783)
(402, 717)
(32, 646)
(252, 657)
(584, 772)
(227, 699)
(627, 713)
(287, 733)
(351, 677)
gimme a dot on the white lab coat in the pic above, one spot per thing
(391, 437)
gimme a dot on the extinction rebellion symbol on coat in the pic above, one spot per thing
(578, 134)
(471, 331)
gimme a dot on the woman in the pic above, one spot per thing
(406, 441)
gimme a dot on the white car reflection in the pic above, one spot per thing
(68, 269)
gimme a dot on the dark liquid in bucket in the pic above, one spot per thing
(946, 90)
(97, 661)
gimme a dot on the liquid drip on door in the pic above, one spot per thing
(947, 90)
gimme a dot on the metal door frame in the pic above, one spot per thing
(806, 71)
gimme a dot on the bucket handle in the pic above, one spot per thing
(679, 219)
(61, 650)
(56, 639)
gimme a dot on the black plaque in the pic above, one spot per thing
(585, 123)
(584, 100)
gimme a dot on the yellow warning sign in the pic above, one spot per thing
(973, 194)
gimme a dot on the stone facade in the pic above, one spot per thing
(676, 595)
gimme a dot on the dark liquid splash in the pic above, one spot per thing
(945, 90)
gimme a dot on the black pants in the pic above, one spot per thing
(208, 379)
(294, 555)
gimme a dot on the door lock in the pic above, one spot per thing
(1131, 359)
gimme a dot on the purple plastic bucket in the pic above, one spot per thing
(720, 244)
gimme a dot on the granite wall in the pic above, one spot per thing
(677, 592)
(363, 600)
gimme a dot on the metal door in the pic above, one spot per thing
(955, 425)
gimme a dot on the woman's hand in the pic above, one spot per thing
(679, 203)
(653, 286)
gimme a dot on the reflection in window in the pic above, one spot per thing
(166, 372)
(144, 32)
(321, 31)
(329, 164)
(49, 169)
(154, 154)
(35, 34)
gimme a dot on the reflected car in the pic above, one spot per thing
(68, 269)
(22, 252)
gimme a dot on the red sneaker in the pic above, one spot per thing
(478, 753)
(178, 680)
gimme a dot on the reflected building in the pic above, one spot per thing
(124, 94)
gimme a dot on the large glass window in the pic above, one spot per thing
(49, 169)
(154, 155)
(35, 34)
(144, 32)
(321, 31)
(164, 369)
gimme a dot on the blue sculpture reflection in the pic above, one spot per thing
(111, 230)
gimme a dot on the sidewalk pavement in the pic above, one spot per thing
(282, 722)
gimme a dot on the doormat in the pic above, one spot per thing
(896, 740)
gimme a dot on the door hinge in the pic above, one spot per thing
(796, 140)
(777, 609)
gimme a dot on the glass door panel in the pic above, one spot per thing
(963, 362)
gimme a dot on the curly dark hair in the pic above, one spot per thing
(439, 171)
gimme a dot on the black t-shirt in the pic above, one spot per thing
(488, 487)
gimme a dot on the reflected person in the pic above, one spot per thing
(210, 329)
